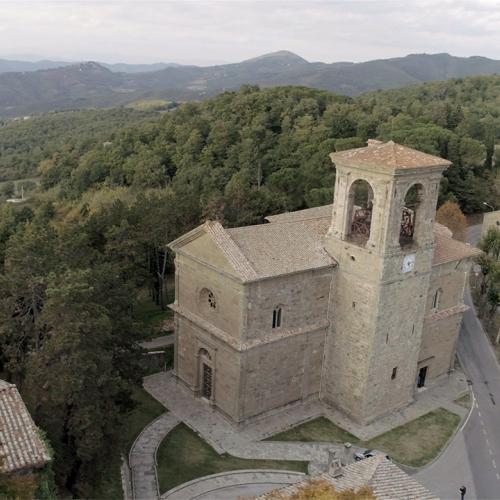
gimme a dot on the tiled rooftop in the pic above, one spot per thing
(386, 479)
(387, 157)
(20, 445)
(274, 249)
(293, 242)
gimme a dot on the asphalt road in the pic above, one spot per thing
(482, 431)
(473, 458)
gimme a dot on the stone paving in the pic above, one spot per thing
(245, 442)
(233, 484)
(223, 436)
(142, 458)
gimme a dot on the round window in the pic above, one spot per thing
(208, 300)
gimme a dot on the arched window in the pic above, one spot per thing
(204, 353)
(360, 212)
(437, 299)
(411, 205)
(277, 317)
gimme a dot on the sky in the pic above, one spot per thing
(215, 32)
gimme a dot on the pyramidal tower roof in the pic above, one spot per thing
(387, 157)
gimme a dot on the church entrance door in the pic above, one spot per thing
(206, 382)
(422, 373)
(206, 375)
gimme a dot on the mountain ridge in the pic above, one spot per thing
(92, 84)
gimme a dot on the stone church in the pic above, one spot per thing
(357, 304)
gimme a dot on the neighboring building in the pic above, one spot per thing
(357, 304)
(21, 448)
(490, 220)
(387, 481)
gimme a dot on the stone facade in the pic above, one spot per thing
(302, 308)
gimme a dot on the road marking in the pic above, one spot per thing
(479, 413)
(494, 463)
(487, 441)
(490, 452)
(481, 420)
(474, 403)
(498, 476)
(484, 431)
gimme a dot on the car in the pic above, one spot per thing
(368, 454)
(365, 454)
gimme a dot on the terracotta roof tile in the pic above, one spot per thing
(386, 479)
(449, 250)
(293, 242)
(387, 156)
(20, 445)
(283, 248)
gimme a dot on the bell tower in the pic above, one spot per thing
(382, 236)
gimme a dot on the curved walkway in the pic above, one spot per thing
(225, 438)
(142, 457)
(233, 484)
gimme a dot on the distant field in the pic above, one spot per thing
(151, 105)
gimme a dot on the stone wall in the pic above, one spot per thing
(442, 323)
(225, 361)
(282, 372)
(193, 279)
(302, 297)
(283, 364)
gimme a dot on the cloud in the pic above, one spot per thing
(211, 31)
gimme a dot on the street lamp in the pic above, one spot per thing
(488, 205)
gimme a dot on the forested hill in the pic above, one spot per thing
(91, 238)
(92, 84)
(268, 149)
(25, 143)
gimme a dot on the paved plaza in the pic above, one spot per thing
(245, 442)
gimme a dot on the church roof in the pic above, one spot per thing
(387, 157)
(386, 479)
(446, 250)
(293, 242)
(276, 249)
(20, 445)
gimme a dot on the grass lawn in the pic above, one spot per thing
(415, 443)
(419, 441)
(320, 429)
(464, 401)
(183, 456)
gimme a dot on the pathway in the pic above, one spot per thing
(223, 436)
(142, 457)
(233, 484)
(159, 342)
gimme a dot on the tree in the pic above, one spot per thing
(8, 189)
(83, 390)
(17, 487)
(319, 489)
(450, 215)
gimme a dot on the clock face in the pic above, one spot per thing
(408, 263)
